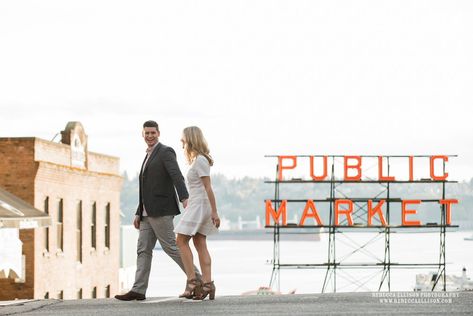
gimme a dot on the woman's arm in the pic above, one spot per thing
(213, 204)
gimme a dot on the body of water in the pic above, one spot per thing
(244, 265)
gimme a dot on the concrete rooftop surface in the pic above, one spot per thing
(376, 303)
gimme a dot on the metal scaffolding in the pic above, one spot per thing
(334, 263)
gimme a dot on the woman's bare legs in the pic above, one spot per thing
(208, 286)
(182, 242)
(200, 243)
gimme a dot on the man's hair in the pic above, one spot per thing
(151, 124)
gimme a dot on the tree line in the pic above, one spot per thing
(244, 197)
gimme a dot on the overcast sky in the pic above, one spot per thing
(259, 77)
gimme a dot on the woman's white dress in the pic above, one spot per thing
(196, 217)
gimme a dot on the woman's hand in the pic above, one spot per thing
(211, 196)
(215, 219)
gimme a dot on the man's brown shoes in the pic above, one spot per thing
(130, 296)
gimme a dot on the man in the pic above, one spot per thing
(160, 178)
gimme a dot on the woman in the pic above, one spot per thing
(200, 217)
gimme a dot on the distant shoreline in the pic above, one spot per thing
(263, 234)
(301, 235)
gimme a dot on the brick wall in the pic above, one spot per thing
(17, 169)
(102, 163)
(56, 153)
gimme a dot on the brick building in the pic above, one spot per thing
(78, 255)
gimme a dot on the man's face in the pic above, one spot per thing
(150, 135)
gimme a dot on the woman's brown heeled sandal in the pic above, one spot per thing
(193, 289)
(207, 289)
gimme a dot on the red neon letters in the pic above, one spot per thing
(353, 168)
(344, 210)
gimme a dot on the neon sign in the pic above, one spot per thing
(353, 172)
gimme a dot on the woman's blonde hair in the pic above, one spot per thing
(195, 144)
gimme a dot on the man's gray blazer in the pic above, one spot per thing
(159, 181)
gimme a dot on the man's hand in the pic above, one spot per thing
(184, 203)
(136, 222)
